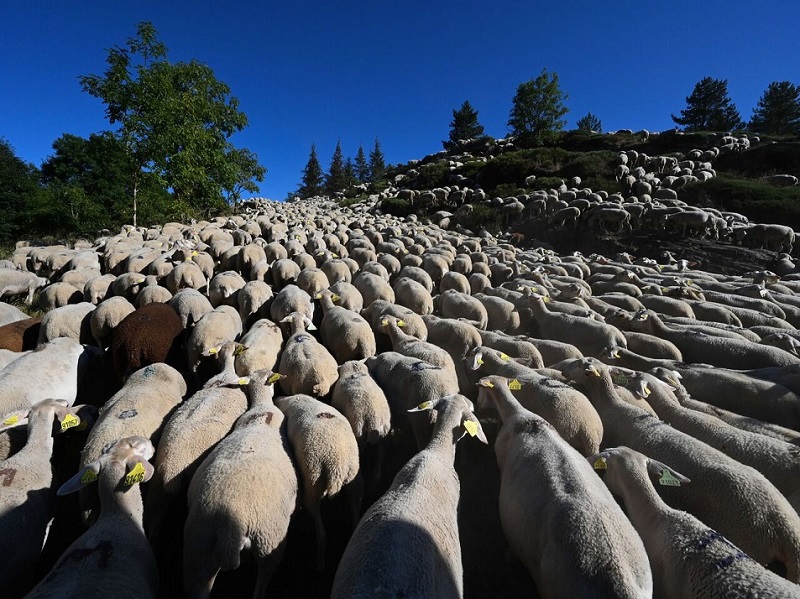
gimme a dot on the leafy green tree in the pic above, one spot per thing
(536, 110)
(174, 121)
(778, 110)
(377, 163)
(336, 179)
(589, 123)
(464, 125)
(362, 166)
(311, 184)
(709, 108)
(18, 188)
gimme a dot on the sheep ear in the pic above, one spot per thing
(85, 476)
(16, 418)
(274, 378)
(310, 325)
(473, 426)
(287, 318)
(485, 382)
(211, 351)
(424, 406)
(643, 389)
(139, 470)
(335, 298)
(667, 477)
(240, 349)
(68, 419)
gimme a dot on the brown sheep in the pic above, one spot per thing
(21, 335)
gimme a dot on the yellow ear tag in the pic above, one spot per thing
(11, 420)
(335, 298)
(425, 405)
(401, 323)
(647, 391)
(318, 296)
(69, 421)
(274, 377)
(213, 350)
(195, 254)
(668, 480)
(546, 299)
(88, 477)
(297, 237)
(243, 381)
(504, 357)
(472, 427)
(136, 475)
(480, 362)
(334, 255)
(488, 384)
(515, 385)
(600, 464)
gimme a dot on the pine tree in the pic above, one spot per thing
(778, 110)
(537, 109)
(350, 172)
(335, 178)
(377, 163)
(464, 125)
(312, 176)
(362, 167)
(709, 108)
(589, 123)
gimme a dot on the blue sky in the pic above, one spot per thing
(318, 72)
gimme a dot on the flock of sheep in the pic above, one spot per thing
(644, 417)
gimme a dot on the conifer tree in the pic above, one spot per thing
(464, 125)
(377, 163)
(362, 166)
(312, 176)
(335, 178)
(589, 123)
(778, 110)
(537, 108)
(350, 172)
(709, 108)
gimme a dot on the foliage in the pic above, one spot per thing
(432, 175)
(537, 109)
(174, 120)
(482, 216)
(464, 125)
(589, 123)
(18, 186)
(350, 172)
(362, 167)
(761, 160)
(778, 110)
(311, 184)
(709, 108)
(396, 206)
(377, 163)
(335, 179)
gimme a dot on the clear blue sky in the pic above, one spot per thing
(321, 71)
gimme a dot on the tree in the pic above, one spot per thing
(312, 176)
(362, 167)
(174, 121)
(709, 108)
(335, 179)
(589, 123)
(778, 110)
(350, 172)
(536, 110)
(18, 187)
(464, 125)
(377, 163)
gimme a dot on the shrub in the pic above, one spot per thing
(432, 175)
(396, 206)
(483, 216)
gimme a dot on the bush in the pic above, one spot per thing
(483, 216)
(396, 206)
(762, 160)
(432, 175)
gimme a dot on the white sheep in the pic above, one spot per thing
(557, 516)
(407, 543)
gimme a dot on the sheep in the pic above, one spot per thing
(452, 304)
(220, 325)
(191, 432)
(518, 347)
(20, 335)
(72, 320)
(407, 382)
(588, 336)
(565, 408)
(723, 352)
(408, 345)
(264, 341)
(141, 407)
(222, 520)
(59, 294)
(312, 281)
(149, 335)
(599, 551)
(731, 497)
(502, 314)
(9, 314)
(687, 557)
(372, 288)
(776, 460)
(125, 565)
(127, 285)
(736, 391)
(291, 299)
(191, 306)
(359, 398)
(346, 334)
(313, 369)
(407, 544)
(152, 294)
(52, 370)
(326, 452)
(349, 296)
(284, 272)
(15, 282)
(224, 289)
(26, 501)
(106, 317)
(186, 275)
(254, 301)
(412, 295)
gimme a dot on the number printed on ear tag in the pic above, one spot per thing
(515, 385)
(472, 427)
(600, 464)
(69, 421)
(668, 480)
(136, 475)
